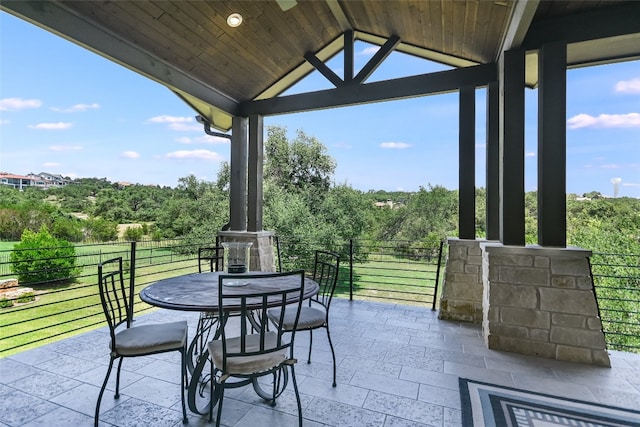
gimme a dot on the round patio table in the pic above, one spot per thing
(199, 292)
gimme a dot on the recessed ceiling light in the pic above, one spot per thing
(234, 20)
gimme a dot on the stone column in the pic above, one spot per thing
(262, 250)
(461, 297)
(540, 301)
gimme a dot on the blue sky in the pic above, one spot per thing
(65, 110)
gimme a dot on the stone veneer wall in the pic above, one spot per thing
(262, 250)
(461, 297)
(540, 301)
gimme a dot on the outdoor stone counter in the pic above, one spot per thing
(540, 301)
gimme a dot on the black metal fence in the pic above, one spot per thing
(616, 279)
(398, 271)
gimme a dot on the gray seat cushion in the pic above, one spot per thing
(248, 364)
(154, 338)
(310, 317)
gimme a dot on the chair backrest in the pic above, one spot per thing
(325, 273)
(263, 292)
(114, 295)
(214, 255)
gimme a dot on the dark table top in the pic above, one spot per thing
(199, 291)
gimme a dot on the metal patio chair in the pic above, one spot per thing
(239, 360)
(133, 341)
(213, 255)
(316, 314)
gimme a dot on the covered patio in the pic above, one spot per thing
(398, 365)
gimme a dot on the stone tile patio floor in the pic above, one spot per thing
(398, 366)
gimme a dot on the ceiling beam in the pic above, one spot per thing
(55, 18)
(519, 21)
(407, 87)
(377, 59)
(339, 14)
(602, 23)
(323, 69)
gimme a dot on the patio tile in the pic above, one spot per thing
(67, 365)
(553, 386)
(158, 392)
(409, 379)
(439, 396)
(339, 414)
(388, 385)
(83, 399)
(137, 413)
(266, 417)
(427, 377)
(401, 422)
(345, 393)
(62, 417)
(13, 371)
(45, 385)
(403, 407)
(19, 407)
(32, 356)
(371, 366)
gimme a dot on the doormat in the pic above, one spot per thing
(490, 405)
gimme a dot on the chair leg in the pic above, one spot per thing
(310, 344)
(276, 381)
(220, 399)
(333, 354)
(295, 389)
(183, 377)
(117, 395)
(104, 385)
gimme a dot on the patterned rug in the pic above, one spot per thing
(489, 405)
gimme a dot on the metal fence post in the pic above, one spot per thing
(132, 276)
(350, 269)
(435, 291)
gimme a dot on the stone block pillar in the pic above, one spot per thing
(540, 301)
(461, 297)
(262, 250)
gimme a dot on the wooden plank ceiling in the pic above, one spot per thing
(265, 54)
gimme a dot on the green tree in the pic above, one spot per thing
(41, 258)
(101, 230)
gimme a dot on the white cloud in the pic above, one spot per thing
(65, 147)
(183, 127)
(130, 154)
(13, 104)
(210, 139)
(530, 154)
(52, 126)
(371, 50)
(604, 121)
(399, 145)
(50, 164)
(610, 166)
(4, 122)
(195, 154)
(177, 123)
(204, 139)
(77, 108)
(628, 86)
(170, 119)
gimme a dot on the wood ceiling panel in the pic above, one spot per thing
(194, 38)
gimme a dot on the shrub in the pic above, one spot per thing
(26, 297)
(5, 303)
(133, 233)
(40, 257)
